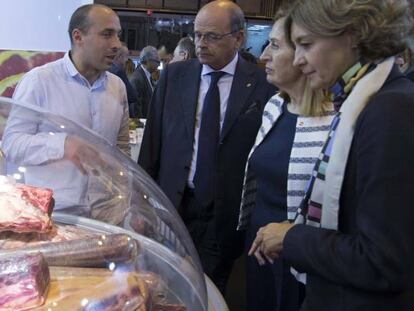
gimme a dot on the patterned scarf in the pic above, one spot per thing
(310, 209)
(370, 78)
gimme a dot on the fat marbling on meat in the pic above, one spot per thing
(24, 208)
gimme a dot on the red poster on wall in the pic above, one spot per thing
(14, 64)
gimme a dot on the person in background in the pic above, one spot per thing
(350, 241)
(165, 53)
(185, 50)
(203, 119)
(142, 82)
(248, 56)
(129, 67)
(295, 125)
(118, 68)
(79, 88)
(404, 60)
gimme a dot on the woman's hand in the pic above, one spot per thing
(269, 242)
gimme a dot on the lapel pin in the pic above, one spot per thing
(248, 84)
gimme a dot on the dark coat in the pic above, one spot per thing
(143, 88)
(167, 146)
(131, 92)
(368, 263)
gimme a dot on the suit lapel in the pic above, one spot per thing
(190, 81)
(244, 83)
(147, 83)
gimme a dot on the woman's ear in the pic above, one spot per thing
(353, 41)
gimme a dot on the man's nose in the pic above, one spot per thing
(116, 43)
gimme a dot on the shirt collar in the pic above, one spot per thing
(230, 68)
(73, 72)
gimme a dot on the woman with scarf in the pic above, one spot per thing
(294, 127)
(351, 241)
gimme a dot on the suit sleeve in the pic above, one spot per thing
(149, 156)
(379, 254)
(136, 107)
(131, 92)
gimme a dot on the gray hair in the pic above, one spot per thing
(237, 20)
(187, 45)
(149, 53)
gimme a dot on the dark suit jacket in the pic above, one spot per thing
(368, 263)
(167, 145)
(143, 88)
(410, 73)
(131, 92)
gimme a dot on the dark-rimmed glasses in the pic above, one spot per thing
(210, 36)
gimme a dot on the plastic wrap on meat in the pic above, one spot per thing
(24, 208)
(158, 292)
(59, 233)
(96, 251)
(168, 307)
(90, 289)
(23, 281)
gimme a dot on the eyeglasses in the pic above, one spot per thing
(210, 36)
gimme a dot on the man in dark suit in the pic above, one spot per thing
(142, 82)
(198, 154)
(118, 68)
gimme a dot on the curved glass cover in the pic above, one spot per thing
(113, 240)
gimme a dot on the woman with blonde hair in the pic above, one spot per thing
(294, 126)
(351, 241)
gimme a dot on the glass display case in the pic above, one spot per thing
(92, 232)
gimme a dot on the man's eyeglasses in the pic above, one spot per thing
(210, 36)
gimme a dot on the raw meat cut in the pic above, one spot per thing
(97, 251)
(24, 280)
(24, 208)
(58, 233)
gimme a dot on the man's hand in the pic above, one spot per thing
(82, 155)
(269, 242)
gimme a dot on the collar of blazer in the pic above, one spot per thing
(244, 82)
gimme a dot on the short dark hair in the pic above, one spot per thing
(80, 20)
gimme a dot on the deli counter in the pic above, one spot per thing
(92, 234)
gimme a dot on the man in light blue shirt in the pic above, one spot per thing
(79, 88)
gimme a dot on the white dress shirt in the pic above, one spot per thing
(59, 88)
(224, 85)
